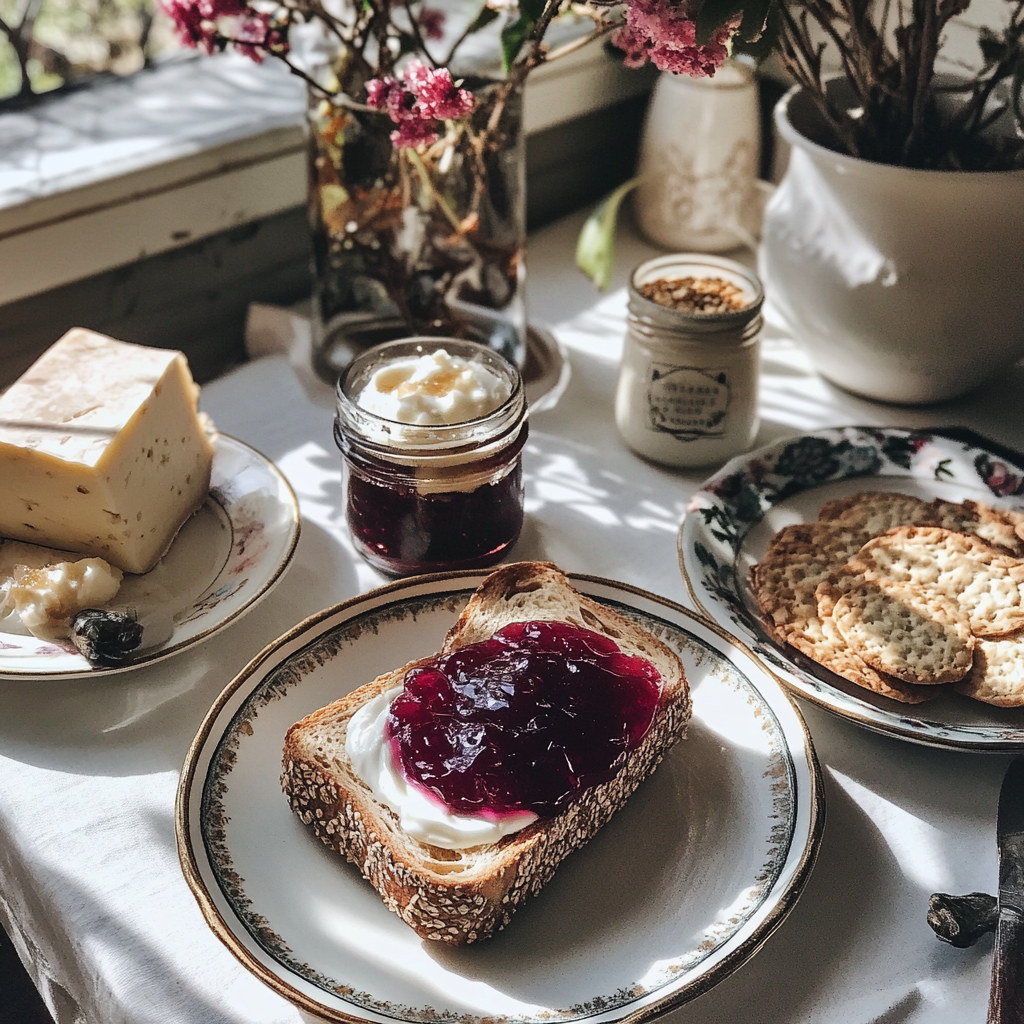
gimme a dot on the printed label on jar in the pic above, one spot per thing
(687, 402)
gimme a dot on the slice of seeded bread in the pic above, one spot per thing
(462, 896)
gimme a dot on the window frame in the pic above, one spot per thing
(123, 170)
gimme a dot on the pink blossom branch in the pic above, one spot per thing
(338, 98)
(313, 9)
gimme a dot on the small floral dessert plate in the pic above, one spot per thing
(685, 883)
(733, 516)
(224, 560)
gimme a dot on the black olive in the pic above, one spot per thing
(106, 637)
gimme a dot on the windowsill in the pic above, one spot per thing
(105, 176)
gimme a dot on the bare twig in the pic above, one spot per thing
(802, 59)
(927, 47)
(602, 29)
(889, 50)
(334, 25)
(417, 34)
(453, 49)
(337, 97)
(20, 38)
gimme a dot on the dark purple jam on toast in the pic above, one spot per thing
(525, 721)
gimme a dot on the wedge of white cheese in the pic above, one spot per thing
(102, 450)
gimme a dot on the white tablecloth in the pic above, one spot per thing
(90, 885)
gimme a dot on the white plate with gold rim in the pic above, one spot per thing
(224, 560)
(734, 514)
(685, 884)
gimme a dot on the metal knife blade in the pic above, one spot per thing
(1006, 996)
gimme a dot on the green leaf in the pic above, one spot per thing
(704, 556)
(713, 15)
(515, 34)
(595, 248)
(532, 9)
(748, 504)
(407, 44)
(899, 450)
(755, 18)
(482, 20)
(512, 38)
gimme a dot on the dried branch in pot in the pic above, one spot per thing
(892, 107)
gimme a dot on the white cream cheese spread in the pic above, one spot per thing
(433, 389)
(422, 816)
(44, 598)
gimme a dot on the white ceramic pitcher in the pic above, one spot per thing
(699, 157)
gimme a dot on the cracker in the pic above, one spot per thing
(1003, 528)
(799, 558)
(874, 512)
(988, 584)
(832, 652)
(997, 676)
(897, 630)
(784, 590)
(832, 543)
(931, 552)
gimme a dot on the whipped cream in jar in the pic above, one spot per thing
(432, 432)
(688, 381)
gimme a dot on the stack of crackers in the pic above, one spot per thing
(902, 596)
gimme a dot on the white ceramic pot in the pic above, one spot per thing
(699, 155)
(902, 285)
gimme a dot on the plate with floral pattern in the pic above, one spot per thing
(224, 560)
(685, 883)
(734, 514)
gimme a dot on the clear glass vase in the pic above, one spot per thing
(425, 241)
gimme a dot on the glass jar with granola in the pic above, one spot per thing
(687, 387)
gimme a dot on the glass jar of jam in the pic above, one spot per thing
(432, 433)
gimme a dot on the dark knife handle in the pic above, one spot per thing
(1006, 999)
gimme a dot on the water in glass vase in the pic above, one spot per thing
(418, 240)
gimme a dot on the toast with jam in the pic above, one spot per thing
(523, 616)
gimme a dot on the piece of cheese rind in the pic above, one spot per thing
(102, 451)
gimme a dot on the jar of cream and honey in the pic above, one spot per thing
(432, 432)
(687, 388)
